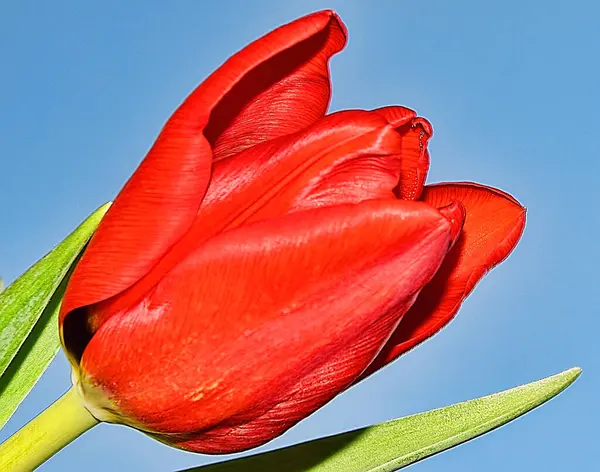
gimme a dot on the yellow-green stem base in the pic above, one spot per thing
(61, 423)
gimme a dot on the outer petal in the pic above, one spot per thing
(277, 85)
(493, 225)
(346, 157)
(266, 323)
(285, 85)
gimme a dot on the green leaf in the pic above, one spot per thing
(28, 317)
(396, 444)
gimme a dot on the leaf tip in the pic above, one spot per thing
(564, 379)
(104, 208)
(574, 373)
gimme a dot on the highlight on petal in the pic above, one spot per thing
(236, 336)
(277, 85)
(494, 223)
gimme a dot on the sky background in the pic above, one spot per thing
(512, 90)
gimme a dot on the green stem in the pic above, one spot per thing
(61, 423)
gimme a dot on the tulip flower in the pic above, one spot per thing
(266, 255)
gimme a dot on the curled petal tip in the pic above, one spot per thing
(425, 125)
(334, 15)
(397, 116)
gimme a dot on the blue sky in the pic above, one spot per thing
(512, 91)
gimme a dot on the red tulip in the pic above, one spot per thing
(266, 255)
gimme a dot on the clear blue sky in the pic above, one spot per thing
(512, 90)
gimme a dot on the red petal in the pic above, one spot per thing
(285, 87)
(265, 323)
(493, 225)
(277, 85)
(153, 210)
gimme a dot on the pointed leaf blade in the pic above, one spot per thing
(396, 444)
(28, 317)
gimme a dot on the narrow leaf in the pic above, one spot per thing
(28, 317)
(396, 444)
